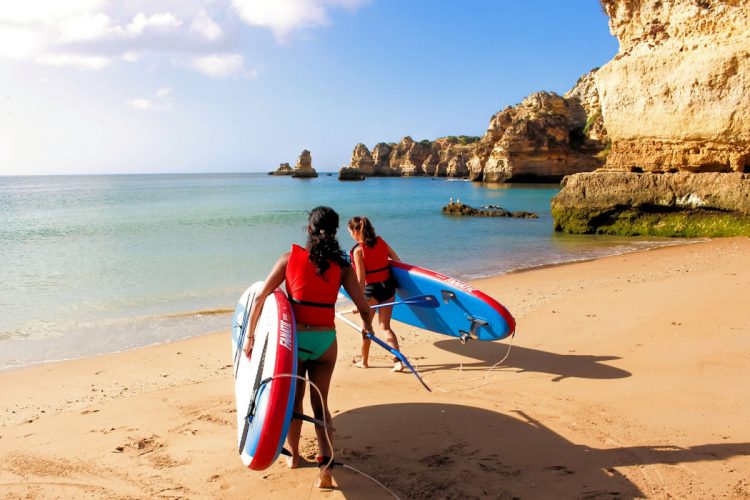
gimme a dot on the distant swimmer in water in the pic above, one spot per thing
(370, 259)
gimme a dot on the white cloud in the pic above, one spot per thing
(161, 21)
(161, 101)
(218, 65)
(141, 104)
(199, 34)
(131, 56)
(44, 11)
(205, 27)
(285, 16)
(85, 27)
(75, 60)
(18, 43)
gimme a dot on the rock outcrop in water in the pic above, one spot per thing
(350, 174)
(304, 168)
(463, 210)
(284, 169)
(674, 101)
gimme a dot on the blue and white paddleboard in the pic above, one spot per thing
(264, 403)
(464, 311)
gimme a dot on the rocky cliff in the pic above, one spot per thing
(543, 138)
(674, 103)
(675, 97)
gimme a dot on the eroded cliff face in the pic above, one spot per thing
(675, 102)
(675, 97)
(542, 138)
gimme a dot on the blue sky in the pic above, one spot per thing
(95, 86)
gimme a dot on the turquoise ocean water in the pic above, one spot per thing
(97, 264)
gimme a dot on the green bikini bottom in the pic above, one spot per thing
(312, 345)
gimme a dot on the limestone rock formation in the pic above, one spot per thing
(304, 168)
(539, 139)
(675, 97)
(675, 106)
(680, 204)
(284, 169)
(457, 166)
(586, 110)
(408, 156)
(381, 157)
(362, 160)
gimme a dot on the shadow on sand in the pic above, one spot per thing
(425, 450)
(524, 359)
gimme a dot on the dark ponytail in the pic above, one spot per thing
(321, 239)
(362, 226)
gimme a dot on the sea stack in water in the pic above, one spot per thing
(675, 106)
(284, 169)
(304, 168)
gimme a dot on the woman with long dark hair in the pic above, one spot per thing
(313, 276)
(370, 258)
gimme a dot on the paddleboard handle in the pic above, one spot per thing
(447, 296)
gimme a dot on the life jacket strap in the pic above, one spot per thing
(312, 304)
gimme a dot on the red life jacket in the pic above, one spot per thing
(313, 297)
(377, 267)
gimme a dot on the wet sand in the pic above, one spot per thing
(627, 378)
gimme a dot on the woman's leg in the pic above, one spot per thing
(384, 319)
(320, 372)
(365, 362)
(295, 427)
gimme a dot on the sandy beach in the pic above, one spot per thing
(627, 378)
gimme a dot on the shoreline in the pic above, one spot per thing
(612, 385)
(219, 311)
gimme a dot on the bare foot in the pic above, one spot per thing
(397, 367)
(361, 364)
(292, 462)
(325, 481)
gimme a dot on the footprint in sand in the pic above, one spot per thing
(436, 461)
(560, 469)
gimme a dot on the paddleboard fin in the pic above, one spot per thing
(476, 323)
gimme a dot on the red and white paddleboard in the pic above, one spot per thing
(264, 403)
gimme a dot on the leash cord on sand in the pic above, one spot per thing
(328, 437)
(489, 370)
